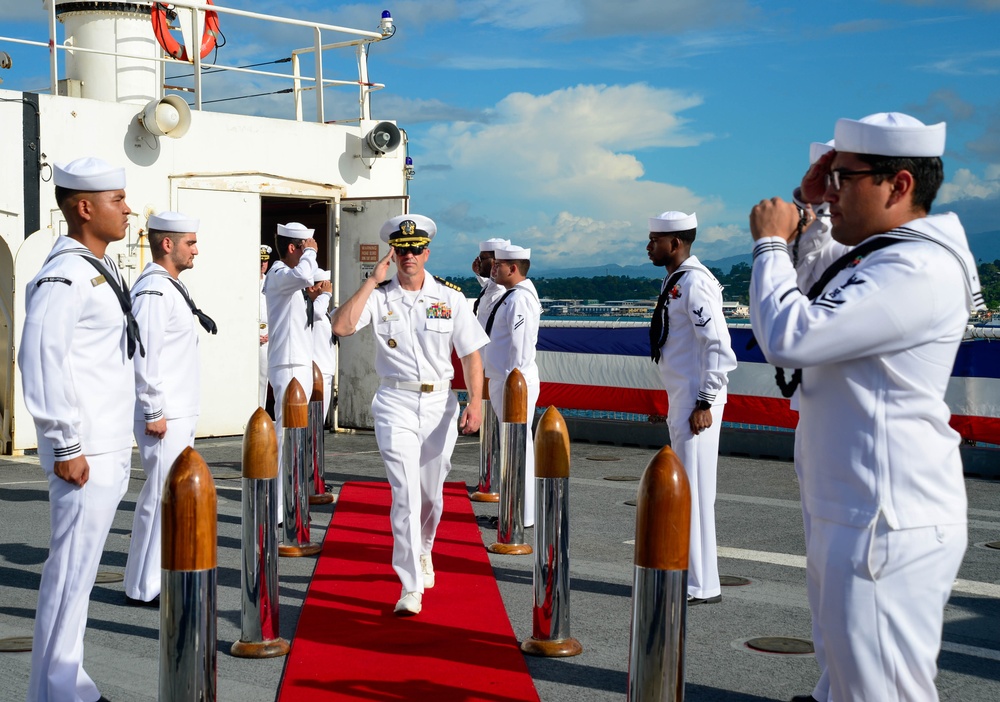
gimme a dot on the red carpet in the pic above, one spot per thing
(350, 646)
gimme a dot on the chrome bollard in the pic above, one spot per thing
(296, 461)
(317, 449)
(513, 447)
(188, 605)
(259, 629)
(489, 453)
(659, 589)
(550, 613)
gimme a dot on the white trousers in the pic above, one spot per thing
(142, 569)
(280, 377)
(881, 603)
(262, 376)
(496, 391)
(327, 395)
(416, 434)
(700, 456)
(80, 520)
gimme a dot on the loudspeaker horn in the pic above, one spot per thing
(169, 116)
(384, 137)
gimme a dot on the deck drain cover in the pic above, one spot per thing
(621, 478)
(993, 544)
(630, 503)
(733, 581)
(107, 576)
(603, 458)
(15, 644)
(780, 644)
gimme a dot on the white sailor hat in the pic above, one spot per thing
(817, 149)
(890, 134)
(88, 174)
(265, 252)
(172, 222)
(294, 230)
(493, 244)
(672, 222)
(408, 230)
(321, 275)
(511, 252)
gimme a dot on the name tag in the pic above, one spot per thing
(390, 316)
(98, 280)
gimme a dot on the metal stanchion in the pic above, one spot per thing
(259, 637)
(296, 461)
(489, 453)
(659, 589)
(550, 614)
(188, 582)
(513, 447)
(317, 476)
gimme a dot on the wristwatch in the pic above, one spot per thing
(703, 405)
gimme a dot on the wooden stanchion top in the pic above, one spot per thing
(515, 399)
(189, 536)
(317, 393)
(296, 406)
(486, 387)
(260, 447)
(551, 446)
(663, 514)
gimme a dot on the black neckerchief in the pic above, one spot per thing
(120, 290)
(207, 323)
(310, 308)
(788, 387)
(475, 305)
(659, 327)
(496, 307)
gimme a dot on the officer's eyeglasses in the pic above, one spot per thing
(403, 250)
(837, 176)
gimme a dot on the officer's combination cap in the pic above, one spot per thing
(408, 230)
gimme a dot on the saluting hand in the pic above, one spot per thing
(774, 217)
(381, 271)
(75, 471)
(813, 185)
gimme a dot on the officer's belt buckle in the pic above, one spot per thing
(427, 387)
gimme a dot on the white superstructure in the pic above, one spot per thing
(239, 174)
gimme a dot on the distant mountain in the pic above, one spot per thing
(985, 246)
(645, 270)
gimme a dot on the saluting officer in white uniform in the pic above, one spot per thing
(482, 266)
(512, 326)
(418, 320)
(881, 469)
(76, 366)
(290, 342)
(324, 348)
(265, 261)
(167, 387)
(689, 340)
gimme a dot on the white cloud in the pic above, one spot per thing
(966, 185)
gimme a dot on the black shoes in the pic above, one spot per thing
(804, 698)
(692, 601)
(132, 602)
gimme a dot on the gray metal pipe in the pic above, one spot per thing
(296, 463)
(188, 636)
(489, 457)
(656, 654)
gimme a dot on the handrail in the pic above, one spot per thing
(360, 38)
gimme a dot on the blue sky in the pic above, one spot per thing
(565, 124)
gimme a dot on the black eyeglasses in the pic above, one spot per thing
(837, 175)
(403, 250)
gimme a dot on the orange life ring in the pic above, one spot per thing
(161, 30)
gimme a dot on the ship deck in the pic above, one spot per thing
(759, 534)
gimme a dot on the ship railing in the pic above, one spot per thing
(301, 84)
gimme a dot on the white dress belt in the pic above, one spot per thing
(417, 385)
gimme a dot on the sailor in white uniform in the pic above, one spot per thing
(167, 387)
(418, 321)
(324, 346)
(690, 343)
(265, 260)
(76, 365)
(482, 266)
(512, 326)
(876, 343)
(290, 342)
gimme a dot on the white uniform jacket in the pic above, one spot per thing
(77, 375)
(263, 310)
(514, 337)
(324, 352)
(876, 349)
(490, 294)
(415, 343)
(698, 355)
(289, 340)
(816, 249)
(167, 379)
